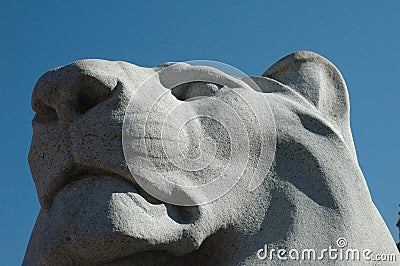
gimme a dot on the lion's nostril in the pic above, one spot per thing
(91, 92)
(44, 111)
(68, 92)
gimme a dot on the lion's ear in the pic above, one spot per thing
(320, 83)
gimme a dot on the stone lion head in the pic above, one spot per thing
(95, 211)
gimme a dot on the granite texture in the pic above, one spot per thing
(94, 212)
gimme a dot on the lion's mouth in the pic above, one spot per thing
(76, 176)
(104, 209)
(180, 214)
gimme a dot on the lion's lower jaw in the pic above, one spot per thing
(99, 220)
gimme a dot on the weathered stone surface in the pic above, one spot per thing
(93, 211)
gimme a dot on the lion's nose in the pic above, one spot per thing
(67, 92)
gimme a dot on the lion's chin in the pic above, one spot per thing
(100, 219)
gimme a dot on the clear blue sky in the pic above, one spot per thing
(362, 38)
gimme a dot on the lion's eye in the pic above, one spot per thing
(195, 89)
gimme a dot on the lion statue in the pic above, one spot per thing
(308, 202)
